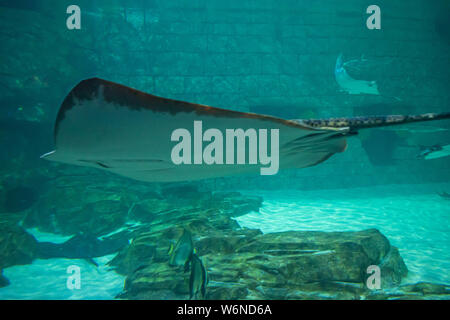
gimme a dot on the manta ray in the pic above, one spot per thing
(350, 85)
(112, 127)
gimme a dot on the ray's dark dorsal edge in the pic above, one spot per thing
(133, 99)
(112, 127)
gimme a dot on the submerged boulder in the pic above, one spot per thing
(307, 261)
(425, 288)
(246, 264)
(82, 246)
(241, 263)
(235, 204)
(97, 217)
(332, 256)
(101, 209)
(80, 203)
(17, 247)
(3, 280)
(19, 198)
(416, 291)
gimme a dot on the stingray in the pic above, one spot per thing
(350, 85)
(118, 129)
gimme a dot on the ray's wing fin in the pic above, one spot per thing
(112, 127)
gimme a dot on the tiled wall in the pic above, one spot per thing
(279, 57)
(245, 54)
(268, 56)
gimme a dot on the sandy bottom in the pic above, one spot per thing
(414, 219)
(47, 278)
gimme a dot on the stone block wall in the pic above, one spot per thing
(266, 56)
(278, 57)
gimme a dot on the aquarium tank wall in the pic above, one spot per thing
(359, 213)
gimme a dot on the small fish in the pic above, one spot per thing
(182, 252)
(434, 152)
(81, 246)
(350, 85)
(445, 195)
(415, 129)
(198, 279)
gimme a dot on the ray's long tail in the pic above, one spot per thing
(356, 123)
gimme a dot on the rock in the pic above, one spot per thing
(17, 247)
(322, 256)
(187, 202)
(392, 268)
(140, 252)
(241, 263)
(146, 210)
(425, 288)
(238, 205)
(99, 217)
(151, 195)
(417, 291)
(105, 207)
(19, 198)
(246, 264)
(328, 290)
(96, 206)
(3, 280)
(225, 243)
(83, 246)
(225, 291)
(156, 277)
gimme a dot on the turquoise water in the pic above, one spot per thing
(289, 59)
(410, 216)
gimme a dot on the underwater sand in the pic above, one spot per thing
(413, 217)
(409, 216)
